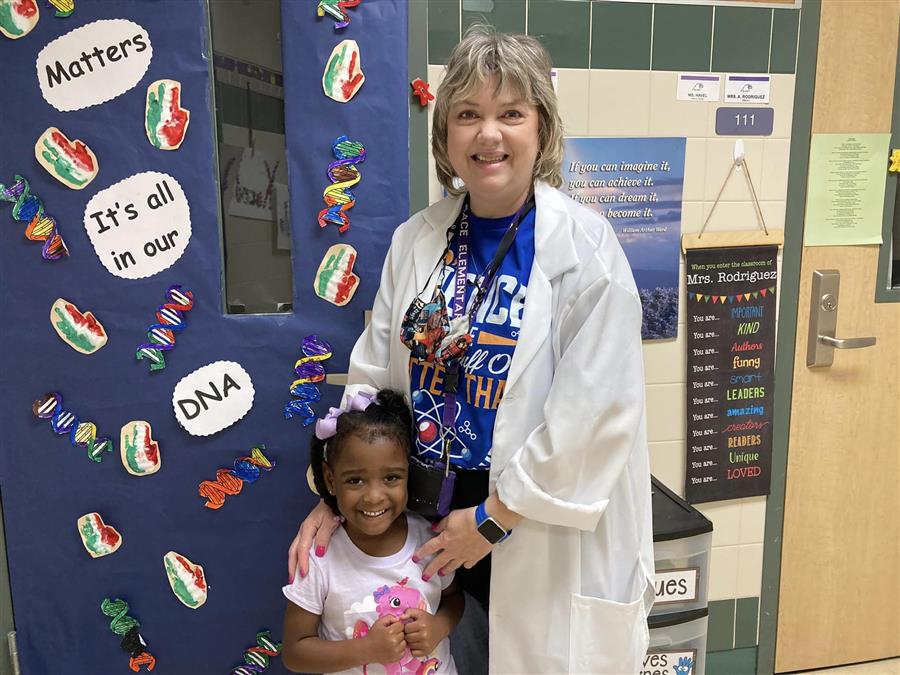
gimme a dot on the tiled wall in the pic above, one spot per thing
(618, 65)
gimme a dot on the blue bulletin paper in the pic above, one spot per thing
(46, 483)
(636, 183)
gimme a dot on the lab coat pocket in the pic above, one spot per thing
(606, 637)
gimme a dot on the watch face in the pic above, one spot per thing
(491, 531)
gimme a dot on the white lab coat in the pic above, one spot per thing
(572, 587)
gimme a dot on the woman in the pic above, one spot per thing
(554, 490)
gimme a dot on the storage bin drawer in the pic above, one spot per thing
(677, 644)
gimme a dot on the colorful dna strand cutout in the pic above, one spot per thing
(343, 175)
(230, 482)
(127, 627)
(336, 9)
(81, 434)
(29, 208)
(309, 370)
(170, 320)
(257, 658)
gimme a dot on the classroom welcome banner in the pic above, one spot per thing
(730, 316)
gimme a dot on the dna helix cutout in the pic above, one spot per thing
(256, 658)
(230, 482)
(81, 434)
(337, 9)
(170, 320)
(126, 627)
(29, 208)
(308, 371)
(343, 174)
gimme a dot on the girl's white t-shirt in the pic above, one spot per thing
(351, 590)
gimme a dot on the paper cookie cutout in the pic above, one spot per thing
(93, 63)
(187, 580)
(169, 320)
(28, 208)
(81, 434)
(335, 280)
(127, 627)
(165, 121)
(230, 482)
(257, 657)
(72, 163)
(337, 9)
(212, 398)
(64, 8)
(343, 174)
(98, 538)
(82, 332)
(140, 453)
(343, 73)
(18, 17)
(420, 89)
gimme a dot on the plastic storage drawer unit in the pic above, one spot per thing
(677, 644)
(682, 537)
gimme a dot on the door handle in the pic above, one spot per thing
(821, 341)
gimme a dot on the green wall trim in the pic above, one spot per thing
(734, 661)
(883, 292)
(6, 609)
(720, 625)
(804, 90)
(417, 66)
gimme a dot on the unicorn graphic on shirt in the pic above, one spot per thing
(394, 601)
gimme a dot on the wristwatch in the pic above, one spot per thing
(489, 528)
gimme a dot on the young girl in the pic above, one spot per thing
(365, 601)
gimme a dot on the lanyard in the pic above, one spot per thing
(461, 233)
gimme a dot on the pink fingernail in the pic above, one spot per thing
(440, 573)
(320, 551)
(434, 527)
(302, 574)
(425, 577)
(416, 558)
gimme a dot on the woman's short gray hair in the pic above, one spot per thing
(517, 61)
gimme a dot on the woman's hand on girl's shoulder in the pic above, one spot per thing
(458, 544)
(318, 526)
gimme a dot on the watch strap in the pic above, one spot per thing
(481, 515)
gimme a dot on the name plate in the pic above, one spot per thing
(745, 121)
(674, 662)
(677, 585)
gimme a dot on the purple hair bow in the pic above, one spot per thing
(326, 427)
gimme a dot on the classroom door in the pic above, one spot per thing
(840, 581)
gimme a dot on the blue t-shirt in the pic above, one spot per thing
(485, 368)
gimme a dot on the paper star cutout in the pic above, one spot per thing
(895, 161)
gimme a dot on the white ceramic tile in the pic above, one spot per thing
(720, 157)
(694, 170)
(776, 159)
(435, 77)
(668, 115)
(781, 98)
(620, 103)
(665, 412)
(573, 87)
(667, 464)
(692, 215)
(753, 520)
(726, 520)
(773, 212)
(664, 361)
(749, 579)
(723, 571)
(730, 216)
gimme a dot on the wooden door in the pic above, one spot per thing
(839, 596)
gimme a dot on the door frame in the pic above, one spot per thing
(801, 134)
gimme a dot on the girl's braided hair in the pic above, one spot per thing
(386, 417)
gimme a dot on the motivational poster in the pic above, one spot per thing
(93, 63)
(636, 184)
(730, 371)
(139, 226)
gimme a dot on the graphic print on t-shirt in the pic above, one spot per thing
(393, 600)
(482, 378)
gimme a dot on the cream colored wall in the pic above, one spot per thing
(643, 103)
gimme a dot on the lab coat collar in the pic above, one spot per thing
(554, 245)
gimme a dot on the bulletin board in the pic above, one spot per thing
(46, 481)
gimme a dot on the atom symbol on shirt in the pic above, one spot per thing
(428, 427)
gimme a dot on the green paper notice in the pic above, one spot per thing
(845, 195)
